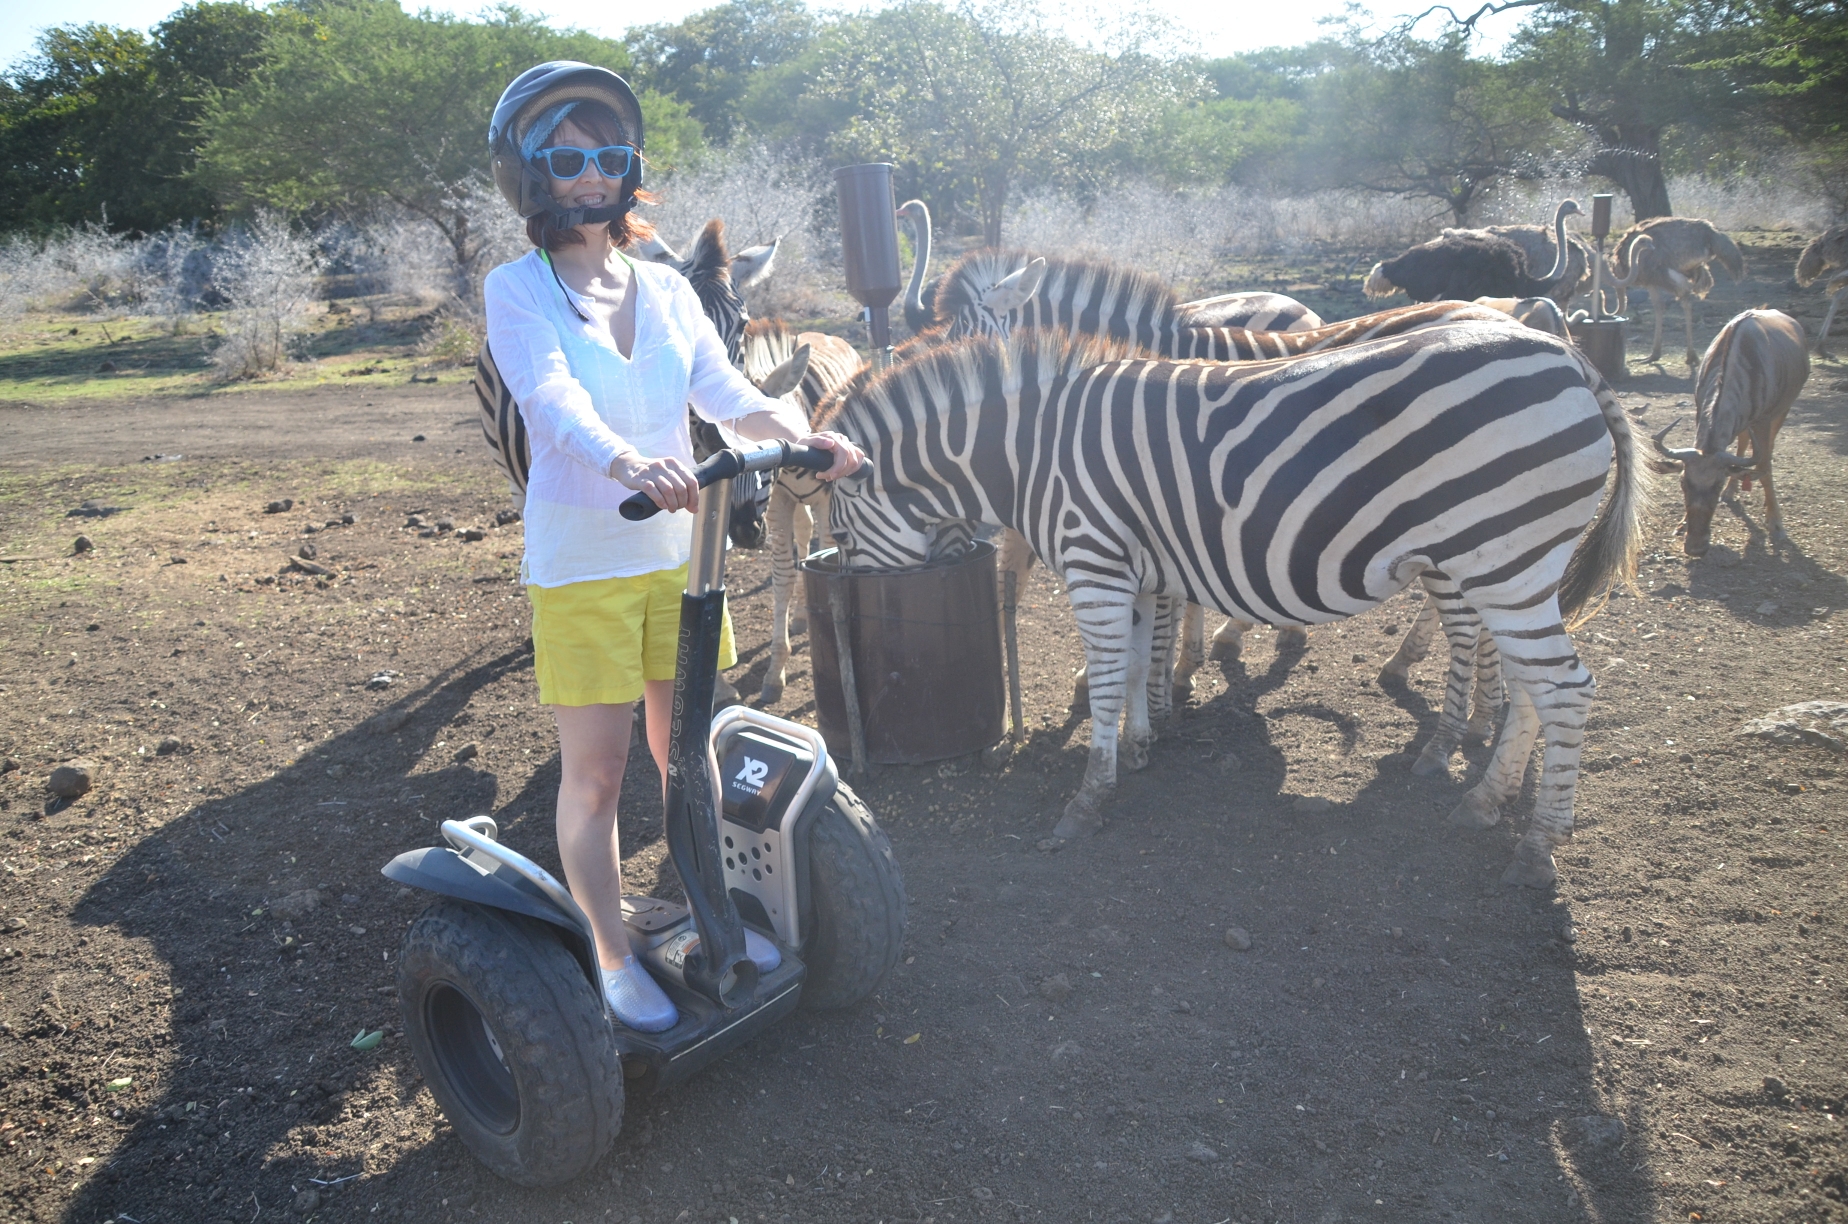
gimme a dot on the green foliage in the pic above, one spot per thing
(977, 103)
(711, 60)
(334, 107)
(100, 122)
(1427, 119)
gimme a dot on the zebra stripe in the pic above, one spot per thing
(1293, 492)
(1252, 310)
(791, 515)
(1120, 303)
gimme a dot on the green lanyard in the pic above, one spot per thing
(571, 298)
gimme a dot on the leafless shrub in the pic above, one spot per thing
(266, 273)
(763, 193)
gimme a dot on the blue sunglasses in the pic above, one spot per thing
(568, 162)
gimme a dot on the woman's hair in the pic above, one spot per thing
(601, 125)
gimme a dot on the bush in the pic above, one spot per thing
(266, 274)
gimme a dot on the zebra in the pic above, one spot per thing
(1253, 310)
(790, 519)
(994, 293)
(1294, 492)
(716, 278)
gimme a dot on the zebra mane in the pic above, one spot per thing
(965, 371)
(979, 271)
(768, 343)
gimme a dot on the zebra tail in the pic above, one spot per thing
(1607, 556)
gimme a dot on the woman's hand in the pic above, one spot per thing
(847, 456)
(668, 482)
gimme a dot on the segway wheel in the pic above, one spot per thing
(511, 1040)
(858, 902)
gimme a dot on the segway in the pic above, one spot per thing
(497, 978)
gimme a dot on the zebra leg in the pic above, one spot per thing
(1462, 627)
(1416, 643)
(1161, 659)
(779, 526)
(1190, 656)
(1655, 308)
(1292, 637)
(803, 520)
(1553, 691)
(1138, 679)
(1486, 705)
(1481, 806)
(1105, 621)
(1229, 641)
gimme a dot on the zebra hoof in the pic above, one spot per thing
(1392, 670)
(1133, 754)
(798, 624)
(1479, 733)
(1083, 817)
(1292, 636)
(1530, 869)
(1226, 650)
(771, 692)
(1183, 689)
(724, 693)
(1433, 762)
(1475, 812)
(1081, 693)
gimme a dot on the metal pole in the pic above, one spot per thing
(850, 689)
(1010, 607)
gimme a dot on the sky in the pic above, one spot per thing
(1213, 27)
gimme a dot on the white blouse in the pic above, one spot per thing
(584, 403)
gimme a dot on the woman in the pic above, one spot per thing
(603, 354)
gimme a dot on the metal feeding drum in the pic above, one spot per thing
(926, 656)
(869, 245)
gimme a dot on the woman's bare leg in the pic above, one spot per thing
(593, 744)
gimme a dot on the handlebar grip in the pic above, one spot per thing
(731, 463)
(725, 463)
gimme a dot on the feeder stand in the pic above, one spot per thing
(1600, 230)
(869, 247)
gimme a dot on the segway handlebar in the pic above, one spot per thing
(729, 463)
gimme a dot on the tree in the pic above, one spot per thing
(978, 102)
(711, 60)
(365, 103)
(1427, 119)
(101, 121)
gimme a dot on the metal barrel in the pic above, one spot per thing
(927, 658)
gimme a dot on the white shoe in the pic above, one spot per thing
(762, 952)
(637, 999)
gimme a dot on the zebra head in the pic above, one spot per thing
(716, 278)
(984, 293)
(937, 432)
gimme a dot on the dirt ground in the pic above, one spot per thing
(188, 951)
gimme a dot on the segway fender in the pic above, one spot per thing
(442, 871)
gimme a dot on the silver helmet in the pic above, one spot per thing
(540, 98)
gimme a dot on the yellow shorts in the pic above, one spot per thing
(594, 643)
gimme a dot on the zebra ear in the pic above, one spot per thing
(788, 376)
(1015, 289)
(753, 264)
(654, 250)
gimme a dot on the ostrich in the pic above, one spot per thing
(1468, 264)
(1826, 254)
(920, 302)
(1537, 244)
(1684, 247)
